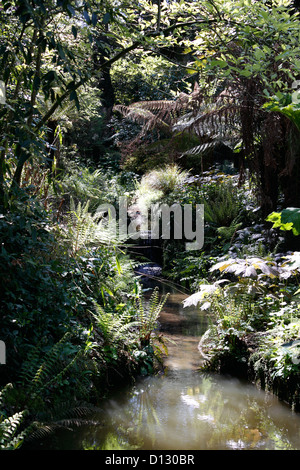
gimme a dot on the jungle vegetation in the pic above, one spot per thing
(171, 101)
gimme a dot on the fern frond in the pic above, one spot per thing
(228, 232)
(82, 228)
(148, 312)
(114, 327)
(50, 362)
(62, 373)
(4, 391)
(200, 149)
(10, 439)
(142, 115)
(161, 114)
(208, 123)
(41, 431)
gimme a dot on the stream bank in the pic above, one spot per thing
(184, 408)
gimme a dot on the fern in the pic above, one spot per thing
(63, 417)
(137, 113)
(225, 208)
(147, 314)
(50, 370)
(114, 327)
(212, 122)
(201, 149)
(161, 114)
(50, 362)
(228, 232)
(10, 437)
(82, 228)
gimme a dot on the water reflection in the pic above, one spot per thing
(185, 409)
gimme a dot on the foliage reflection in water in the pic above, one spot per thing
(186, 409)
(189, 411)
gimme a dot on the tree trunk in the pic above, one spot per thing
(290, 175)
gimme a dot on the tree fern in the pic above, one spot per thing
(213, 121)
(137, 113)
(161, 114)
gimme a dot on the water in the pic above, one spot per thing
(186, 409)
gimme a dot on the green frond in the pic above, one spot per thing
(4, 391)
(11, 437)
(149, 311)
(83, 229)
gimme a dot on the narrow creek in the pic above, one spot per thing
(185, 408)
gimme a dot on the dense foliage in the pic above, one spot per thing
(174, 102)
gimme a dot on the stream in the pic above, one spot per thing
(185, 408)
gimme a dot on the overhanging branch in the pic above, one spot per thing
(136, 44)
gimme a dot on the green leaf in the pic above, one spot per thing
(74, 31)
(61, 51)
(94, 19)
(288, 219)
(74, 97)
(106, 18)
(71, 10)
(219, 63)
(86, 17)
(292, 215)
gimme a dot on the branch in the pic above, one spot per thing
(158, 14)
(62, 97)
(136, 44)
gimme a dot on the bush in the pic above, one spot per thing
(36, 304)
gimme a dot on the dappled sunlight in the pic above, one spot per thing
(184, 408)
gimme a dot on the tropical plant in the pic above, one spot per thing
(224, 208)
(148, 315)
(256, 68)
(129, 334)
(83, 229)
(287, 219)
(252, 109)
(162, 114)
(11, 437)
(46, 57)
(287, 104)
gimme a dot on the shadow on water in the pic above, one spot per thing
(184, 408)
